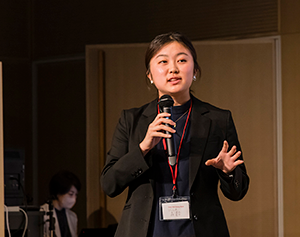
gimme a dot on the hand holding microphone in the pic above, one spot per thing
(161, 127)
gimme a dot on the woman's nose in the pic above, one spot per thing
(173, 68)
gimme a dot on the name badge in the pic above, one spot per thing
(171, 208)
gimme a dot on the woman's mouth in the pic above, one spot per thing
(174, 79)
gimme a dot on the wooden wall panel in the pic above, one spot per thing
(291, 131)
(240, 76)
(95, 140)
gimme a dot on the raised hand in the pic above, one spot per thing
(226, 161)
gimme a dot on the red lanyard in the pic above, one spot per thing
(175, 173)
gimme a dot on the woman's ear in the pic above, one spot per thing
(150, 77)
(195, 72)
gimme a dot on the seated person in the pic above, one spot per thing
(64, 187)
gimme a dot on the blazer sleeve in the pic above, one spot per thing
(236, 186)
(124, 163)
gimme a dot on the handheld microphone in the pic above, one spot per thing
(165, 105)
(51, 218)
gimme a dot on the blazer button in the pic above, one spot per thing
(195, 217)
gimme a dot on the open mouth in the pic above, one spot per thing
(174, 79)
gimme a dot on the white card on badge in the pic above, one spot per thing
(176, 210)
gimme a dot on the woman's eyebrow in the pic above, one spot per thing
(165, 55)
(162, 55)
(182, 53)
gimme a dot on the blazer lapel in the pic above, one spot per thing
(200, 127)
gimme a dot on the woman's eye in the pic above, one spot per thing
(182, 60)
(162, 61)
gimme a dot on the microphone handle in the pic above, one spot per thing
(170, 141)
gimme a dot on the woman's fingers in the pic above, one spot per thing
(161, 124)
(210, 162)
(163, 119)
(225, 146)
(226, 161)
(236, 155)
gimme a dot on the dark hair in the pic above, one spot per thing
(159, 41)
(62, 182)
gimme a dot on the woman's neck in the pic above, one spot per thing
(180, 99)
(56, 205)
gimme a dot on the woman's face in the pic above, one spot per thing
(67, 200)
(172, 70)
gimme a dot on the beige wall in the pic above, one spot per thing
(290, 47)
(291, 132)
(241, 76)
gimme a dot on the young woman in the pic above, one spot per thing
(181, 199)
(64, 187)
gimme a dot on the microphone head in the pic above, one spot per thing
(165, 101)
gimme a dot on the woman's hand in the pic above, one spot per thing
(226, 161)
(156, 131)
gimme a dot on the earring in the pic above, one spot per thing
(151, 81)
(194, 78)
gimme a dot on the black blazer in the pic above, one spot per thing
(126, 167)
